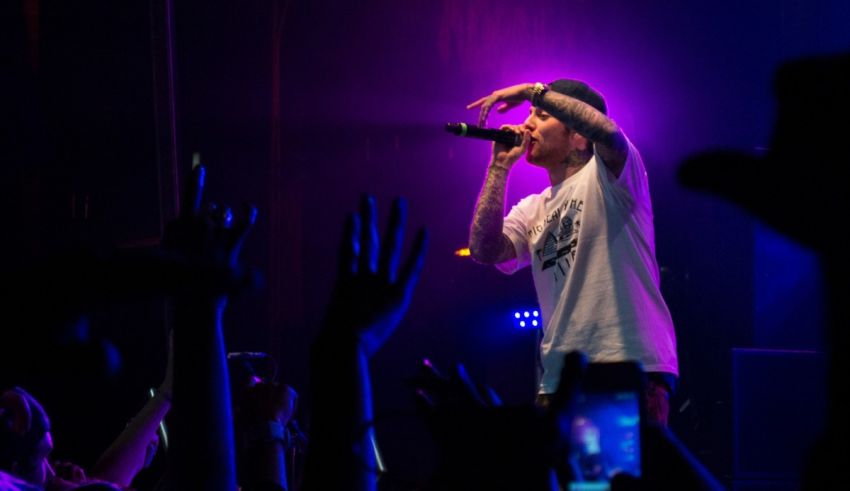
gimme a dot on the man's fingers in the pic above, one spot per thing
(491, 397)
(290, 395)
(428, 368)
(391, 247)
(349, 246)
(413, 266)
(477, 103)
(467, 386)
(482, 117)
(516, 128)
(247, 219)
(526, 139)
(368, 235)
(209, 218)
(196, 190)
(225, 218)
(193, 192)
(243, 225)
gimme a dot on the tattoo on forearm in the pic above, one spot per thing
(584, 119)
(485, 235)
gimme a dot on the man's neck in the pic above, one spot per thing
(562, 171)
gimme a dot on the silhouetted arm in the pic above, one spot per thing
(202, 449)
(371, 296)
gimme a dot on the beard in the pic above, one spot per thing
(578, 157)
(545, 159)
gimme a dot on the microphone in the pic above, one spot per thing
(505, 137)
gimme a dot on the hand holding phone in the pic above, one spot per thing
(605, 436)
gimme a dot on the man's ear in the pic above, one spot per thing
(15, 412)
(580, 143)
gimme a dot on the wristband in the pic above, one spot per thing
(537, 93)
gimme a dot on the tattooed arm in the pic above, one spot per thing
(487, 243)
(585, 119)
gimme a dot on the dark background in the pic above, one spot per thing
(299, 107)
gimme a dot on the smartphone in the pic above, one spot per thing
(606, 429)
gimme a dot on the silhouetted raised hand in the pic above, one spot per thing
(371, 293)
(369, 300)
(484, 444)
(205, 241)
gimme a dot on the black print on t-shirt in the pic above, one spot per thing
(572, 206)
(560, 249)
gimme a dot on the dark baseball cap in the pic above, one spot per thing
(581, 91)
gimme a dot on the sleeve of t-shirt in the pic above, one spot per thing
(632, 187)
(515, 227)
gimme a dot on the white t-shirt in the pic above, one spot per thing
(591, 244)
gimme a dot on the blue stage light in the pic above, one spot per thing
(528, 318)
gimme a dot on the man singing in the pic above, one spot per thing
(588, 237)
